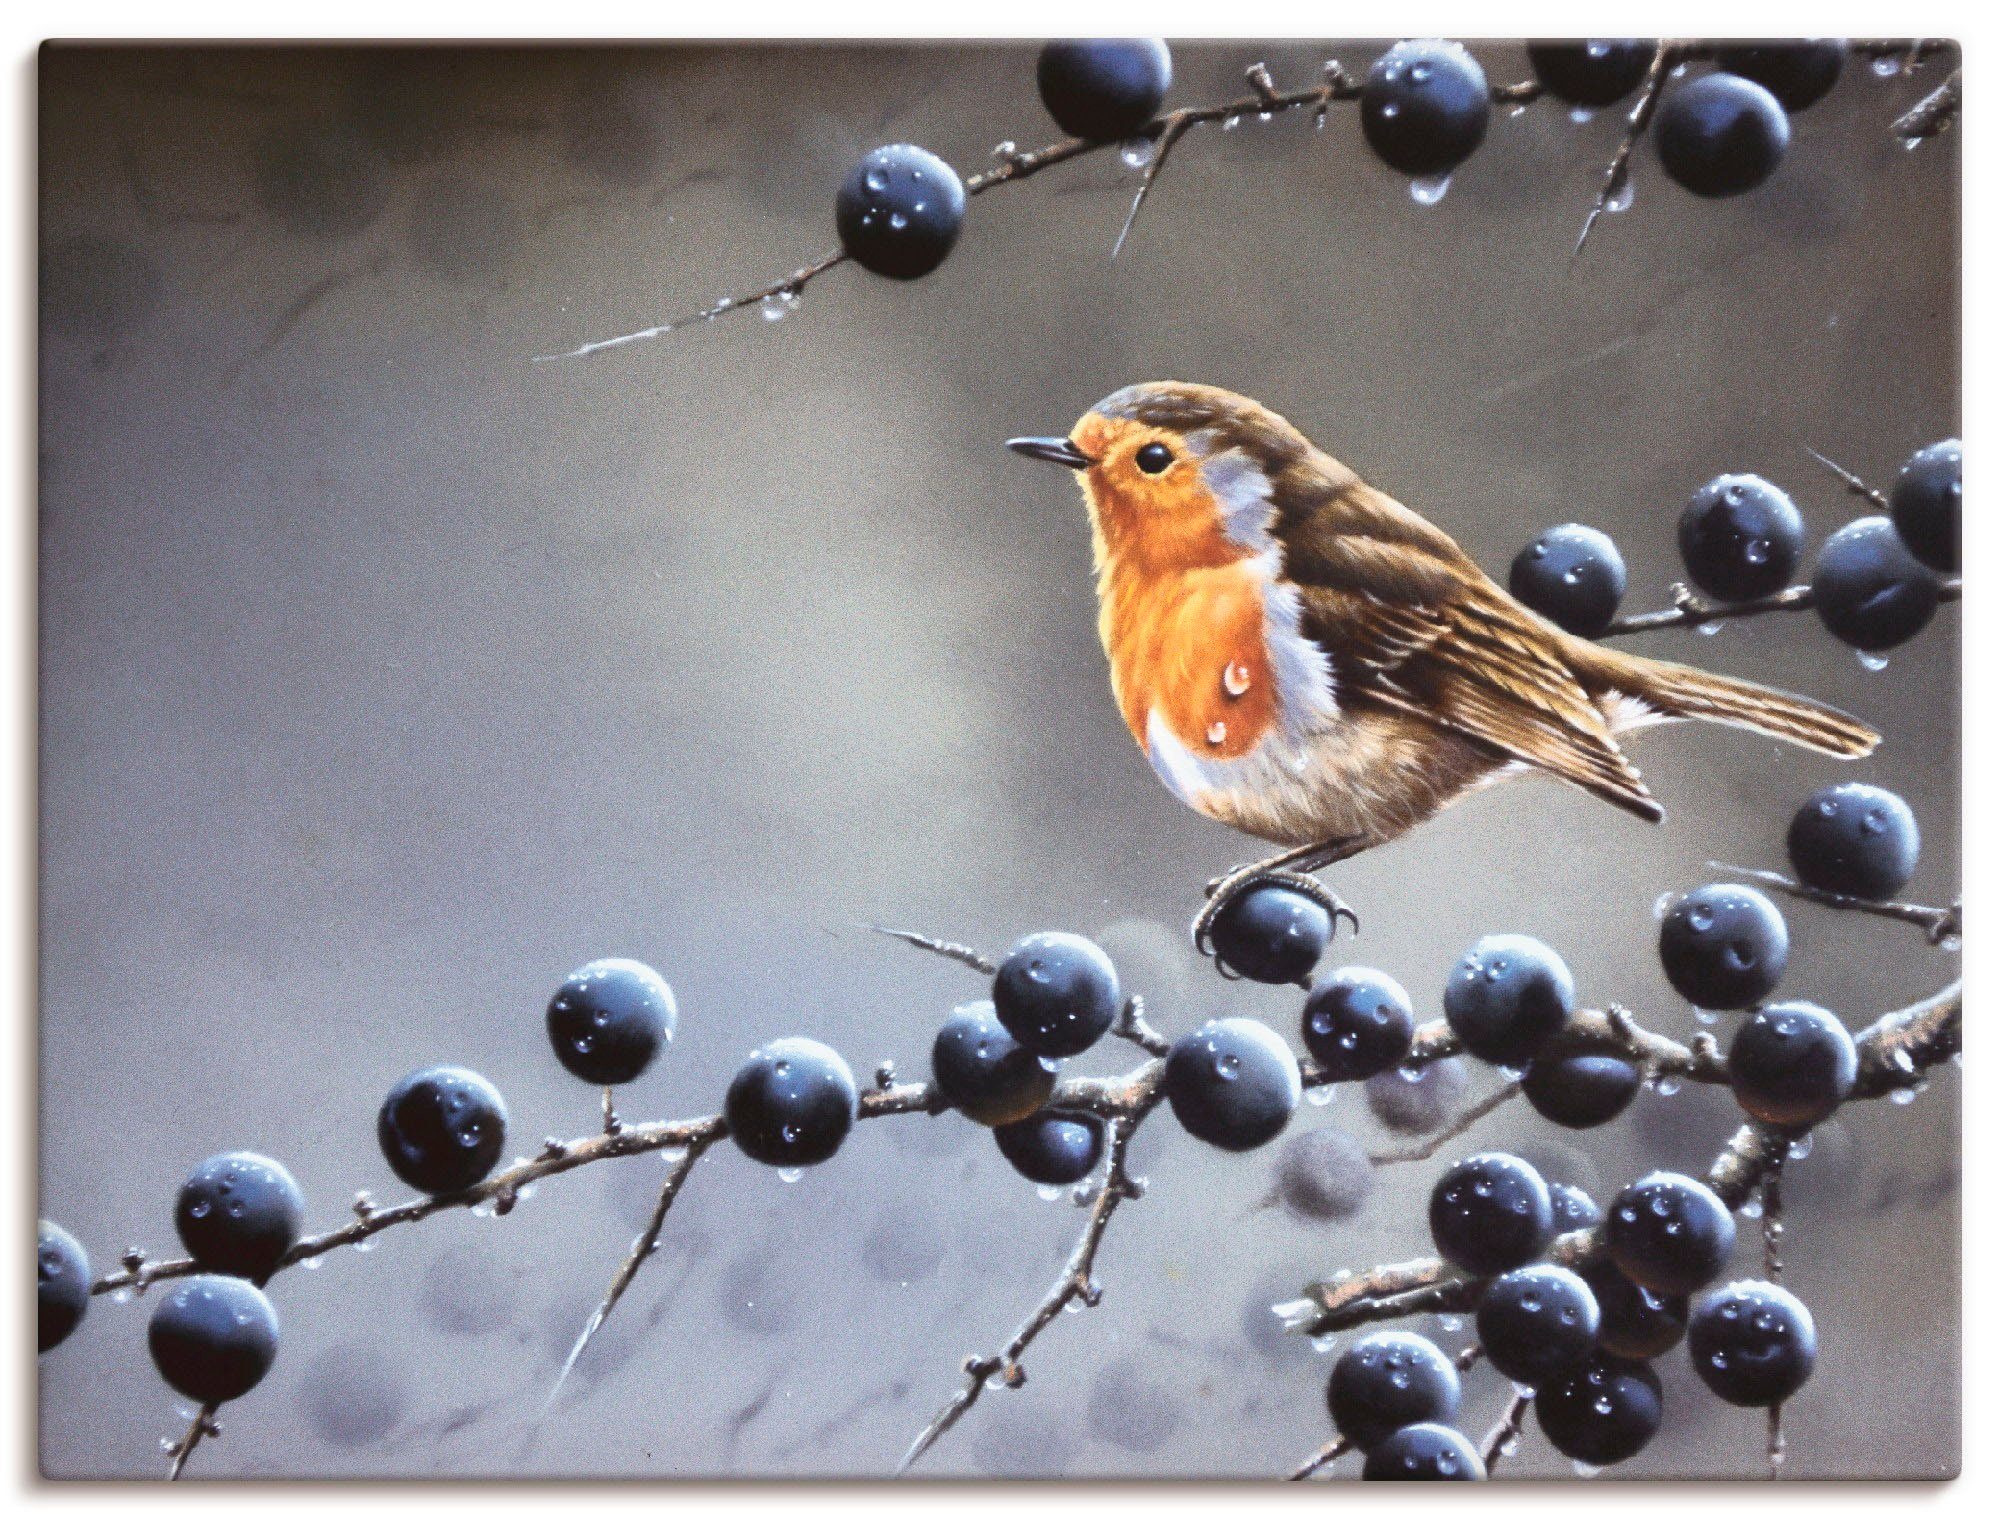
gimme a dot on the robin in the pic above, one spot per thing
(1306, 659)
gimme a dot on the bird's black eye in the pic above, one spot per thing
(1154, 458)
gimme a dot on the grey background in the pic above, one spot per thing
(387, 675)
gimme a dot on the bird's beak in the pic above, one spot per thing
(1055, 450)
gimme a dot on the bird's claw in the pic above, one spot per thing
(1226, 889)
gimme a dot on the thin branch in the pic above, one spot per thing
(963, 954)
(1941, 925)
(1134, 1029)
(1666, 57)
(1425, 1149)
(1856, 486)
(1931, 115)
(178, 1451)
(1325, 1456)
(1690, 610)
(1502, 1439)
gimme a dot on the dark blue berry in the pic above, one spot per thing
(1537, 1322)
(1753, 1343)
(1724, 947)
(1924, 503)
(1272, 934)
(1053, 1149)
(1056, 993)
(442, 1129)
(239, 1213)
(1424, 107)
(899, 211)
(1741, 537)
(1357, 1022)
(1323, 1174)
(213, 1337)
(62, 1285)
(1669, 1232)
(1508, 998)
(1423, 1453)
(1791, 1064)
(1869, 590)
(1854, 839)
(1418, 1100)
(1572, 1208)
(1601, 1413)
(1573, 575)
(1581, 1091)
(1721, 134)
(1233, 1083)
(1491, 1213)
(791, 1103)
(1106, 88)
(1387, 1380)
(984, 1071)
(1634, 1322)
(1798, 73)
(1593, 72)
(610, 1019)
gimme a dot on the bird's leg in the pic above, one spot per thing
(1292, 869)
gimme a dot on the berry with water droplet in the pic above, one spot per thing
(1855, 839)
(1724, 946)
(1233, 1083)
(1596, 72)
(1573, 575)
(1720, 135)
(1272, 934)
(1669, 1232)
(1420, 1099)
(62, 1285)
(213, 1337)
(1424, 107)
(1572, 1208)
(1581, 1091)
(1869, 590)
(899, 211)
(1537, 1322)
(1741, 537)
(1508, 997)
(1104, 88)
(791, 1103)
(1057, 993)
(1357, 1022)
(442, 1129)
(1490, 1213)
(1791, 1064)
(1423, 1453)
(1633, 1321)
(1386, 1381)
(1924, 503)
(1798, 73)
(1603, 1412)
(1053, 1149)
(984, 1071)
(610, 1019)
(1753, 1343)
(239, 1213)
(1324, 1174)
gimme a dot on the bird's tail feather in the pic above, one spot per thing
(1682, 691)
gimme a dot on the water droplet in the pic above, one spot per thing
(1236, 677)
(1801, 1147)
(1753, 1206)
(1217, 731)
(1048, 1192)
(311, 1263)
(876, 180)
(1579, 114)
(1429, 189)
(1664, 904)
(1137, 153)
(1903, 1096)
(1884, 67)
(1621, 199)
(1584, 1468)
(898, 221)
(1320, 1097)
(1231, 123)
(775, 308)
(1707, 1016)
(1450, 1323)
(1666, 1086)
(1708, 629)
(122, 1295)
(1871, 662)
(790, 1174)
(199, 1209)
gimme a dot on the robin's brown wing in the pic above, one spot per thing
(1409, 621)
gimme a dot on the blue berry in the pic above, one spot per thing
(1420, 1099)
(1053, 1149)
(1634, 1322)
(1603, 1412)
(1424, 107)
(1595, 72)
(1854, 839)
(1573, 575)
(899, 211)
(1104, 89)
(1924, 503)
(1724, 947)
(1508, 998)
(1572, 1208)
(213, 1337)
(1869, 590)
(1797, 73)
(610, 1020)
(1272, 934)
(62, 1285)
(1233, 1083)
(1537, 1322)
(1753, 1343)
(1721, 135)
(239, 1213)
(442, 1129)
(1357, 1022)
(984, 1071)
(1490, 1213)
(1056, 993)
(1791, 1064)
(1323, 1174)
(1385, 1381)
(1581, 1091)
(1669, 1232)
(1423, 1453)
(791, 1103)
(1741, 537)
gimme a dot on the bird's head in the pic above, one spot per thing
(1178, 475)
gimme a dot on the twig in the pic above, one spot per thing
(1506, 1435)
(1689, 610)
(1134, 1029)
(1773, 1217)
(178, 1452)
(1856, 486)
(1666, 56)
(1425, 1149)
(963, 954)
(1941, 925)
(1931, 115)
(1325, 1456)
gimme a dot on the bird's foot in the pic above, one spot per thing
(1226, 890)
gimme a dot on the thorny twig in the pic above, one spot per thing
(1666, 57)
(1856, 486)
(1941, 925)
(178, 1451)
(1504, 1436)
(1325, 1456)
(1931, 115)
(1690, 611)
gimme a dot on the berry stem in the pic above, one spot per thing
(202, 1425)
(1690, 611)
(1324, 1457)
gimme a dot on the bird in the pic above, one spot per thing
(1304, 658)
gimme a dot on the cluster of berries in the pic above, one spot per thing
(1874, 585)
